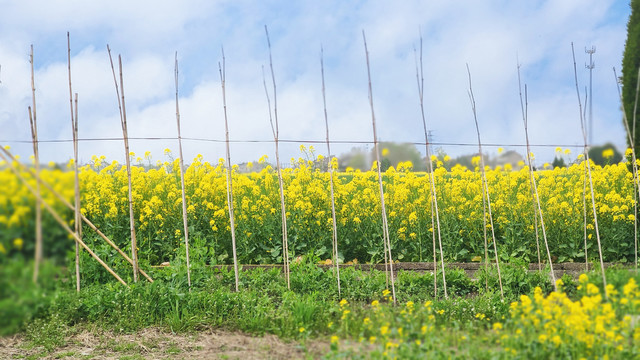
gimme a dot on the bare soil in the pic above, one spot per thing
(154, 343)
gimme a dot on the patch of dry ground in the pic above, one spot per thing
(155, 343)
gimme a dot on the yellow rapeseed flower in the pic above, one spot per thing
(17, 243)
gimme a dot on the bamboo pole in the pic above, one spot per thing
(532, 180)
(34, 137)
(123, 123)
(62, 223)
(334, 229)
(584, 213)
(66, 203)
(182, 171)
(524, 106)
(385, 225)
(223, 78)
(593, 200)
(633, 157)
(74, 131)
(584, 195)
(275, 130)
(432, 180)
(485, 188)
(635, 183)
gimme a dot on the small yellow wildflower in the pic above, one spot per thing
(384, 330)
(607, 154)
(17, 243)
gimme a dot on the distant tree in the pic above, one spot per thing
(630, 65)
(397, 152)
(605, 154)
(356, 158)
(558, 162)
(467, 160)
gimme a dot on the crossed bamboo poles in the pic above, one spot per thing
(10, 159)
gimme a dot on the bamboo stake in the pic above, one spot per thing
(334, 228)
(72, 208)
(123, 123)
(524, 105)
(385, 225)
(593, 200)
(633, 157)
(63, 223)
(223, 78)
(584, 195)
(635, 184)
(584, 213)
(78, 221)
(74, 131)
(275, 130)
(432, 187)
(485, 188)
(532, 180)
(182, 170)
(36, 156)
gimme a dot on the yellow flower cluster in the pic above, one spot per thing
(157, 204)
(589, 325)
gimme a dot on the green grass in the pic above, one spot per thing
(265, 305)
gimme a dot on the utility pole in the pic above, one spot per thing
(590, 66)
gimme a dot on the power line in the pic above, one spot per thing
(297, 141)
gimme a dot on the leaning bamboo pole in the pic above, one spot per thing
(223, 79)
(432, 184)
(533, 182)
(62, 223)
(275, 131)
(524, 107)
(34, 138)
(74, 132)
(485, 189)
(385, 225)
(77, 221)
(584, 198)
(123, 123)
(66, 203)
(636, 185)
(593, 200)
(334, 229)
(633, 159)
(182, 171)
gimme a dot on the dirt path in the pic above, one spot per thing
(156, 344)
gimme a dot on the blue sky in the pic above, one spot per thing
(491, 36)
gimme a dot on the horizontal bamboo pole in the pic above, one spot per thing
(72, 208)
(64, 225)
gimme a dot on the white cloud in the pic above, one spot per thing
(489, 36)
